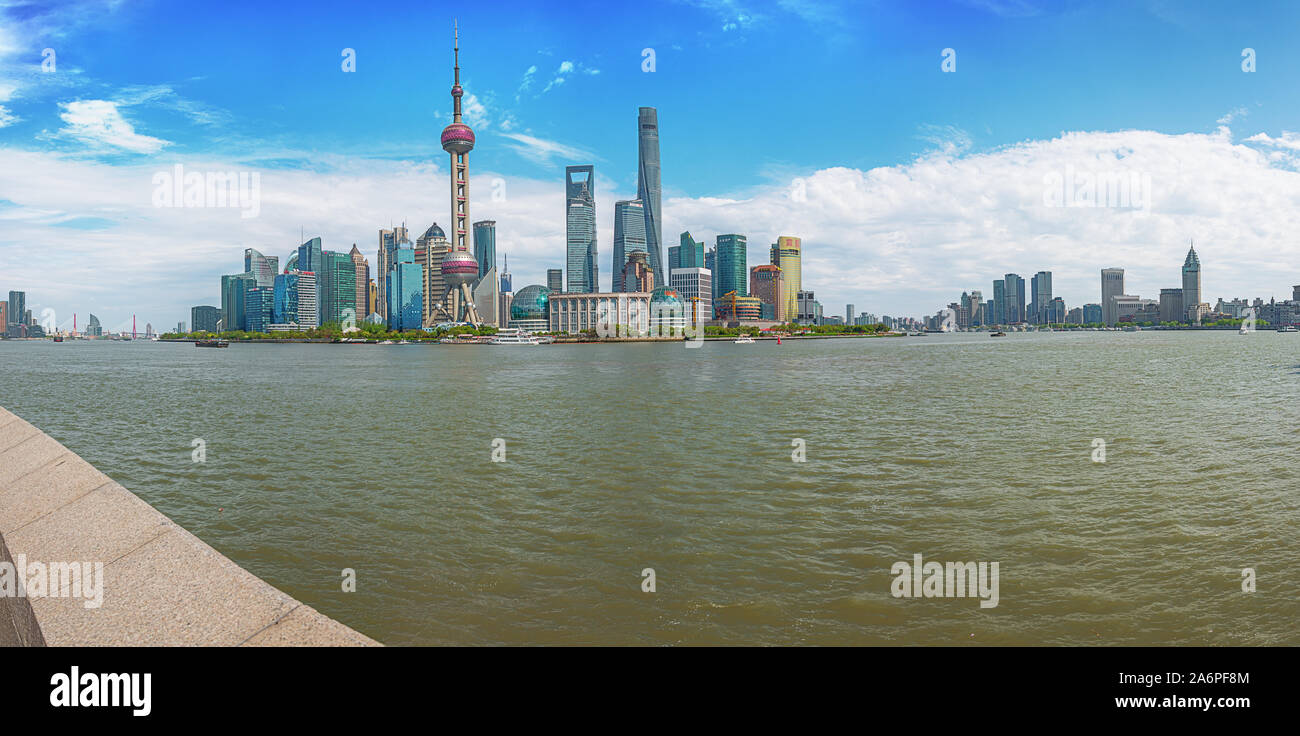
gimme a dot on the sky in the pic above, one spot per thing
(919, 149)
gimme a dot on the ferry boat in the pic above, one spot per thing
(744, 340)
(211, 344)
(58, 338)
(513, 337)
(1288, 328)
(998, 334)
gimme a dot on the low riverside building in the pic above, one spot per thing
(660, 313)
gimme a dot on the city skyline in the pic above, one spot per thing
(893, 226)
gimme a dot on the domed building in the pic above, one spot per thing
(667, 312)
(531, 309)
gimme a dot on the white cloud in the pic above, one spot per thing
(100, 124)
(542, 151)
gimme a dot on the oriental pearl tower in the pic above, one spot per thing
(460, 267)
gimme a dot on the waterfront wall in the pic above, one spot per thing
(161, 585)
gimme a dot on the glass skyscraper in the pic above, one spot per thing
(786, 254)
(233, 288)
(284, 309)
(405, 292)
(1014, 287)
(17, 308)
(258, 305)
(263, 268)
(338, 290)
(732, 264)
(580, 225)
(647, 187)
(1040, 298)
(629, 235)
(485, 245)
(999, 316)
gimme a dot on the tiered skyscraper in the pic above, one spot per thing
(580, 228)
(1191, 285)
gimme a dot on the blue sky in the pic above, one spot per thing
(908, 166)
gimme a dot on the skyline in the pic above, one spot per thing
(918, 217)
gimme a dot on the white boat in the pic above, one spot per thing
(1288, 328)
(514, 337)
(744, 340)
(386, 342)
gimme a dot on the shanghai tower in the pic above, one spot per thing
(647, 187)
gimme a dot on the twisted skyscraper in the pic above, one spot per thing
(647, 187)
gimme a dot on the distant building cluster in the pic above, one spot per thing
(17, 318)
(1176, 305)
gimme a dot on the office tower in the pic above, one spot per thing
(405, 297)
(629, 235)
(372, 304)
(785, 254)
(732, 264)
(1295, 293)
(361, 274)
(1171, 305)
(765, 282)
(1192, 286)
(431, 249)
(233, 288)
(309, 255)
(308, 300)
(4, 317)
(458, 268)
(338, 290)
(486, 288)
(485, 245)
(808, 310)
(1056, 311)
(711, 263)
(258, 305)
(848, 314)
(261, 267)
(1126, 305)
(204, 318)
(17, 309)
(974, 304)
(94, 328)
(999, 315)
(1014, 288)
(580, 228)
(1112, 285)
(284, 303)
(1092, 314)
(637, 274)
(689, 253)
(506, 279)
(180, 327)
(695, 287)
(555, 280)
(990, 313)
(647, 187)
(1042, 296)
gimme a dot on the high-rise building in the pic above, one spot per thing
(17, 309)
(94, 328)
(999, 316)
(765, 282)
(1192, 286)
(4, 317)
(204, 318)
(389, 240)
(1041, 299)
(555, 281)
(372, 306)
(405, 284)
(732, 264)
(1092, 314)
(629, 235)
(258, 303)
(786, 254)
(637, 274)
(1055, 311)
(848, 314)
(262, 268)
(486, 288)
(360, 274)
(506, 279)
(308, 299)
(338, 290)
(431, 249)
(1112, 285)
(689, 253)
(180, 327)
(647, 187)
(695, 288)
(808, 311)
(284, 304)
(1014, 288)
(459, 268)
(1171, 305)
(233, 288)
(580, 229)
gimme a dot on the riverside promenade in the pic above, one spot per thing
(160, 585)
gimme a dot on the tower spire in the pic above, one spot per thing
(455, 89)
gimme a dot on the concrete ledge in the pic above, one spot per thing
(162, 586)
